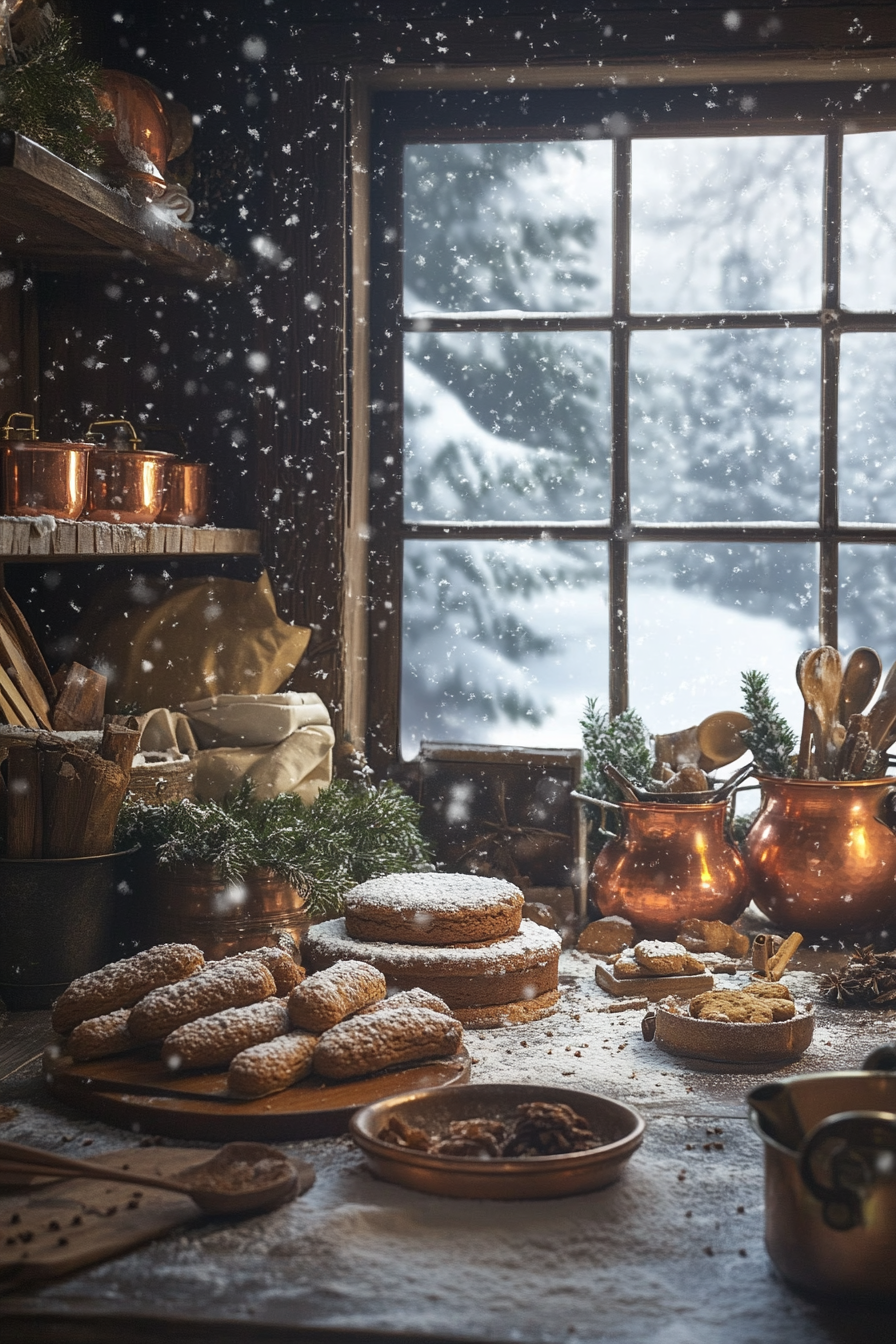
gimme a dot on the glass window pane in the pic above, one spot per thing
(867, 427)
(702, 614)
(724, 426)
(507, 427)
(508, 227)
(868, 280)
(502, 641)
(868, 599)
(726, 224)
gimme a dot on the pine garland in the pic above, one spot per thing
(352, 832)
(622, 741)
(49, 94)
(771, 739)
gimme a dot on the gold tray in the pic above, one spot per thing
(738, 1047)
(509, 1178)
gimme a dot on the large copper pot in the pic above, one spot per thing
(672, 862)
(830, 1196)
(126, 484)
(821, 854)
(194, 905)
(139, 141)
(41, 477)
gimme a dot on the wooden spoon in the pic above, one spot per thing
(719, 736)
(883, 711)
(239, 1178)
(819, 674)
(860, 678)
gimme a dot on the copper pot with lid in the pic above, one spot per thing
(126, 483)
(185, 498)
(40, 477)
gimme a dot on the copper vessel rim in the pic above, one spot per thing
(820, 784)
(512, 1166)
(47, 446)
(756, 1119)
(650, 805)
(80, 858)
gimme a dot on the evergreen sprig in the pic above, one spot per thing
(49, 94)
(622, 741)
(771, 739)
(352, 832)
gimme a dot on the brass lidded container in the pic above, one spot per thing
(126, 483)
(40, 477)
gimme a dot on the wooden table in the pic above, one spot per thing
(673, 1253)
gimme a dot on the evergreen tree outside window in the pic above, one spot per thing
(627, 440)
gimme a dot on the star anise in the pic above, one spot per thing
(866, 956)
(840, 986)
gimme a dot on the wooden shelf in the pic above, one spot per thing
(54, 538)
(59, 217)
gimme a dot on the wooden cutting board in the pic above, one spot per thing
(138, 1093)
(56, 1227)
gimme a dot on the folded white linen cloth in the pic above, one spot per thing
(253, 720)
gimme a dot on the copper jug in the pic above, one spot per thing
(126, 484)
(672, 862)
(821, 854)
(41, 477)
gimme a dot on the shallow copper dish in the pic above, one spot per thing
(496, 1178)
(736, 1047)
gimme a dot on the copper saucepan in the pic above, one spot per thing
(126, 483)
(185, 499)
(40, 477)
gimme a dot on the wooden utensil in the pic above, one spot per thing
(883, 711)
(206, 1183)
(860, 679)
(819, 674)
(719, 736)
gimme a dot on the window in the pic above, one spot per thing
(634, 396)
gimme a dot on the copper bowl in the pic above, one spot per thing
(185, 496)
(125, 484)
(193, 904)
(40, 477)
(734, 1047)
(494, 1178)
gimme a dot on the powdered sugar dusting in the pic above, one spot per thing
(437, 893)
(532, 946)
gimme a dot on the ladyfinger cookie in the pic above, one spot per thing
(212, 1042)
(101, 1036)
(412, 998)
(374, 1041)
(121, 984)
(328, 996)
(223, 984)
(273, 1066)
(280, 964)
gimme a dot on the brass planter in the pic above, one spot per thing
(830, 1195)
(821, 855)
(192, 904)
(673, 861)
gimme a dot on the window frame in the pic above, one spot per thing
(402, 118)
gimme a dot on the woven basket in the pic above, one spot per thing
(160, 782)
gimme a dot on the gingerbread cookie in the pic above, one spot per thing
(433, 909)
(272, 1066)
(101, 1036)
(411, 998)
(212, 1042)
(736, 1005)
(280, 964)
(327, 997)
(712, 935)
(223, 984)
(123, 983)
(374, 1041)
(666, 959)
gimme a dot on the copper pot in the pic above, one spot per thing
(41, 477)
(139, 142)
(125, 484)
(821, 854)
(185, 496)
(830, 1196)
(194, 905)
(672, 862)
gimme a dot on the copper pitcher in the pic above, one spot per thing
(821, 854)
(672, 862)
(41, 477)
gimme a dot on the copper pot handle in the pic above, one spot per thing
(8, 426)
(133, 441)
(841, 1160)
(886, 812)
(883, 1058)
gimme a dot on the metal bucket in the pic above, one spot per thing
(830, 1177)
(193, 904)
(57, 921)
